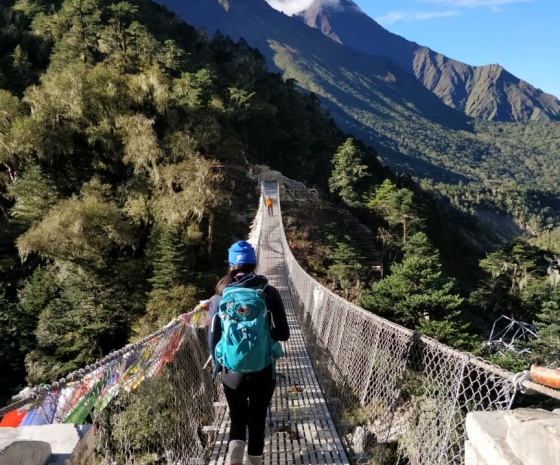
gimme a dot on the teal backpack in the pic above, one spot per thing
(246, 345)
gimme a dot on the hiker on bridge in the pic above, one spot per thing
(269, 203)
(248, 391)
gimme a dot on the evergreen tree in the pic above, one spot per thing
(416, 294)
(34, 296)
(22, 69)
(118, 35)
(348, 172)
(171, 293)
(33, 194)
(346, 270)
(170, 259)
(11, 111)
(547, 345)
(397, 206)
(89, 315)
(18, 322)
(11, 357)
(171, 56)
(514, 283)
(78, 25)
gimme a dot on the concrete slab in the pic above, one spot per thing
(21, 452)
(536, 442)
(61, 440)
(488, 431)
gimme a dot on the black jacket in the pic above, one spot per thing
(280, 331)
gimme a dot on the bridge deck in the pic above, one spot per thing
(301, 430)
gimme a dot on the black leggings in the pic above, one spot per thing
(248, 405)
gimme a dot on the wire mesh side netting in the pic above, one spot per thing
(408, 394)
(148, 402)
(163, 420)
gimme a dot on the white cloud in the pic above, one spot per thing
(456, 5)
(289, 7)
(395, 16)
(475, 3)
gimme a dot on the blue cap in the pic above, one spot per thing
(242, 253)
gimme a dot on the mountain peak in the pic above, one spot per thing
(320, 13)
(474, 90)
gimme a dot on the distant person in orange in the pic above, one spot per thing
(269, 202)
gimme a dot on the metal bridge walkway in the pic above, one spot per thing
(301, 430)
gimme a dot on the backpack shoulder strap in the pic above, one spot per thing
(262, 288)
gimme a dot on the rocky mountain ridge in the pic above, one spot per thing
(489, 92)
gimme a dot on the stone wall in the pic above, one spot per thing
(514, 437)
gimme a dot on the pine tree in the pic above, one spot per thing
(515, 281)
(169, 263)
(10, 354)
(33, 194)
(348, 171)
(397, 206)
(171, 293)
(86, 315)
(346, 270)
(547, 345)
(78, 23)
(22, 69)
(417, 295)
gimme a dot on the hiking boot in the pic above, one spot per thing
(254, 459)
(236, 452)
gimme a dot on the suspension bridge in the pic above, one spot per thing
(352, 388)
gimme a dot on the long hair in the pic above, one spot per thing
(234, 270)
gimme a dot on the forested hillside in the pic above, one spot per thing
(127, 140)
(129, 145)
(394, 107)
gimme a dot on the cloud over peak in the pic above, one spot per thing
(290, 7)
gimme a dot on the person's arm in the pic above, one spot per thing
(281, 330)
(214, 325)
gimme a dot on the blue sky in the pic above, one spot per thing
(521, 35)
